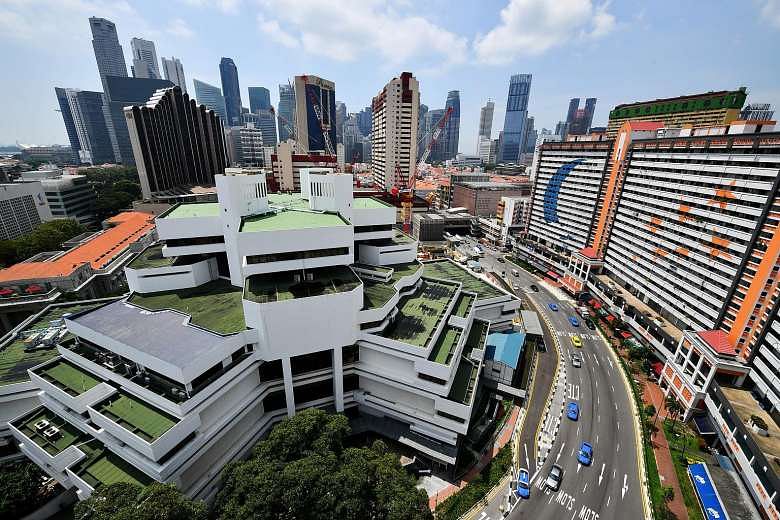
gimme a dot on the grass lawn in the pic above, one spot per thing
(419, 314)
(447, 270)
(67, 436)
(376, 294)
(151, 257)
(463, 304)
(214, 306)
(401, 270)
(103, 468)
(68, 377)
(692, 453)
(139, 418)
(445, 345)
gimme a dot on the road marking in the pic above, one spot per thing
(484, 516)
(614, 472)
(598, 400)
(597, 438)
(559, 452)
(579, 466)
(610, 362)
(572, 452)
(527, 461)
(551, 497)
(618, 425)
(613, 388)
(586, 487)
(618, 447)
(601, 475)
(598, 418)
(625, 486)
(609, 498)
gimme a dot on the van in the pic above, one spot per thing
(515, 272)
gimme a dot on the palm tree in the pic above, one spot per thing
(674, 408)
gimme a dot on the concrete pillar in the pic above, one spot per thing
(289, 393)
(338, 379)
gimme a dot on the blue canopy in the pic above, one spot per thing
(705, 490)
(505, 347)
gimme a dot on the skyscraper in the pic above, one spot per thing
(422, 130)
(86, 125)
(263, 121)
(364, 121)
(341, 116)
(286, 112)
(431, 119)
(144, 59)
(211, 96)
(175, 141)
(394, 132)
(108, 53)
(486, 119)
(314, 98)
(174, 72)
(513, 137)
(578, 120)
(228, 72)
(451, 133)
(259, 99)
(530, 136)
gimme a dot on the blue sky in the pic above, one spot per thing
(619, 51)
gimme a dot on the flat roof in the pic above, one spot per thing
(420, 313)
(288, 200)
(101, 467)
(99, 251)
(194, 209)
(68, 377)
(463, 304)
(444, 347)
(151, 257)
(273, 287)
(369, 203)
(448, 270)
(290, 219)
(495, 185)
(505, 347)
(134, 415)
(67, 436)
(464, 382)
(531, 323)
(745, 405)
(376, 294)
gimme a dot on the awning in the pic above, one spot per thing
(657, 368)
(610, 318)
(596, 305)
(706, 492)
(625, 334)
(553, 275)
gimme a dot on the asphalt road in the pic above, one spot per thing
(610, 487)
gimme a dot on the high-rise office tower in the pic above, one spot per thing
(176, 142)
(211, 96)
(422, 130)
(264, 121)
(530, 136)
(364, 121)
(174, 72)
(432, 118)
(394, 132)
(579, 120)
(486, 119)
(228, 72)
(353, 140)
(108, 52)
(341, 116)
(315, 109)
(451, 133)
(286, 112)
(259, 99)
(144, 59)
(516, 114)
(86, 125)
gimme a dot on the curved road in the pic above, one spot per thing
(610, 487)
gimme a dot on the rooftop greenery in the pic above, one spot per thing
(463, 304)
(102, 468)
(134, 415)
(151, 257)
(420, 313)
(68, 377)
(376, 294)
(444, 348)
(401, 270)
(68, 435)
(477, 336)
(196, 209)
(273, 287)
(214, 306)
(447, 270)
(465, 380)
(290, 219)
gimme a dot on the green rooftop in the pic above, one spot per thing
(274, 287)
(288, 200)
(369, 203)
(420, 313)
(465, 381)
(445, 345)
(195, 209)
(68, 377)
(291, 219)
(102, 468)
(214, 306)
(151, 257)
(68, 435)
(401, 270)
(477, 336)
(376, 294)
(136, 416)
(463, 304)
(447, 270)
(15, 360)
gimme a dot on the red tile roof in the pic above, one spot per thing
(646, 125)
(718, 341)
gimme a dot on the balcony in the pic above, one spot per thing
(275, 287)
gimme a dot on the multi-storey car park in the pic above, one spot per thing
(246, 311)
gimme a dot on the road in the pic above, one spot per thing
(610, 487)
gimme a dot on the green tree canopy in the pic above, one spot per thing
(21, 484)
(123, 501)
(47, 236)
(304, 471)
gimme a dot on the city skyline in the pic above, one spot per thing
(478, 33)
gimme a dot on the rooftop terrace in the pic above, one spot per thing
(444, 348)
(68, 377)
(134, 415)
(102, 468)
(744, 405)
(376, 294)
(477, 336)
(420, 313)
(447, 270)
(369, 203)
(463, 304)
(15, 360)
(290, 219)
(196, 209)
(465, 381)
(274, 287)
(214, 306)
(288, 200)
(151, 257)
(67, 435)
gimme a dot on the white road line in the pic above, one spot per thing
(614, 471)
(597, 438)
(625, 487)
(586, 487)
(618, 447)
(608, 500)
(573, 513)
(572, 452)
(613, 388)
(601, 475)
(551, 497)
(578, 467)
(598, 418)
(578, 430)
(618, 425)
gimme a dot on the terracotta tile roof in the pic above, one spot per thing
(98, 251)
(718, 341)
(646, 125)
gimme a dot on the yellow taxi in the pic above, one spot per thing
(576, 341)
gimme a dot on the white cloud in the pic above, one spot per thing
(180, 29)
(770, 12)
(530, 27)
(226, 6)
(349, 29)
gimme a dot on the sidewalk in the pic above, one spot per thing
(501, 440)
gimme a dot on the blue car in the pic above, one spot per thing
(523, 484)
(553, 307)
(574, 321)
(585, 455)
(573, 411)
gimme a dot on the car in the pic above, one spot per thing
(515, 272)
(523, 484)
(553, 307)
(554, 477)
(500, 259)
(576, 362)
(590, 325)
(515, 287)
(573, 411)
(576, 341)
(534, 287)
(585, 455)
(574, 321)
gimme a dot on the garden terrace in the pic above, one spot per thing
(444, 348)
(68, 377)
(151, 257)
(197, 209)
(289, 285)
(401, 270)
(102, 468)
(290, 219)
(465, 381)
(214, 306)
(15, 360)
(463, 304)
(447, 270)
(376, 294)
(67, 436)
(137, 417)
(420, 313)
(477, 336)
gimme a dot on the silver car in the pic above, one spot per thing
(554, 478)
(576, 362)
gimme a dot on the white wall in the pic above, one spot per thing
(171, 278)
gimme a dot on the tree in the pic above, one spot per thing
(22, 489)
(304, 471)
(124, 501)
(47, 236)
(674, 408)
